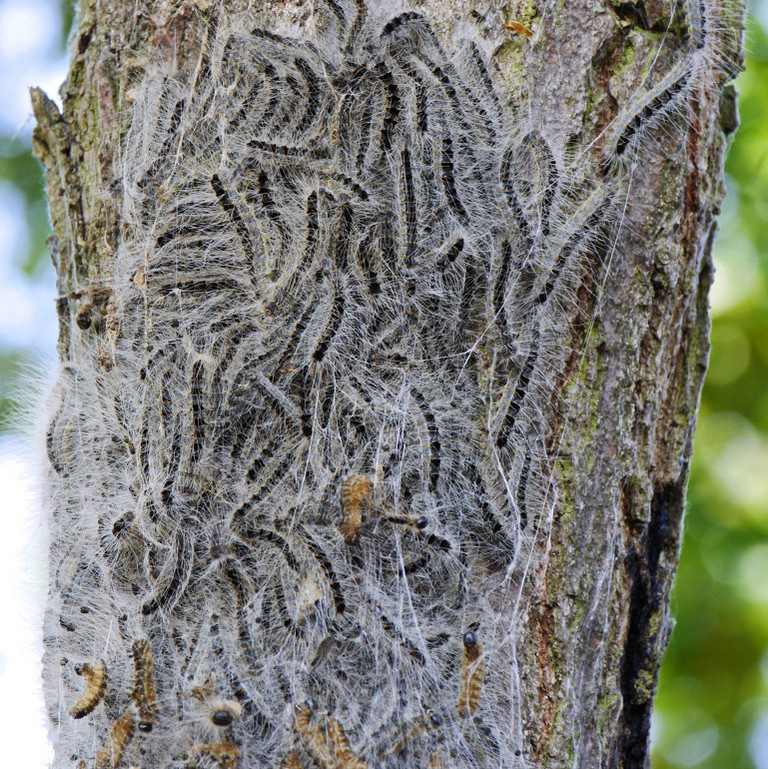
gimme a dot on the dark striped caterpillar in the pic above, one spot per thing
(143, 694)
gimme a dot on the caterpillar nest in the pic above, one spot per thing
(320, 421)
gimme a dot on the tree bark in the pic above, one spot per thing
(573, 573)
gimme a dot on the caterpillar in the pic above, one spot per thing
(143, 694)
(225, 754)
(355, 490)
(96, 683)
(325, 740)
(110, 756)
(472, 670)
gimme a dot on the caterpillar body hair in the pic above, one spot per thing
(337, 11)
(712, 27)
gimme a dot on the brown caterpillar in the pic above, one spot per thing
(325, 740)
(354, 491)
(472, 668)
(144, 695)
(426, 723)
(224, 753)
(291, 761)
(121, 734)
(95, 684)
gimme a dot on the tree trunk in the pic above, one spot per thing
(381, 343)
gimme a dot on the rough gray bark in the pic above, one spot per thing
(610, 411)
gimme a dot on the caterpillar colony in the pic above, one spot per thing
(308, 416)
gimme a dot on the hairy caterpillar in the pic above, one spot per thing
(143, 694)
(354, 492)
(119, 736)
(426, 723)
(706, 66)
(325, 740)
(341, 248)
(472, 669)
(224, 754)
(96, 683)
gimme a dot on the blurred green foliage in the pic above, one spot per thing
(714, 683)
(713, 693)
(22, 173)
(19, 167)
